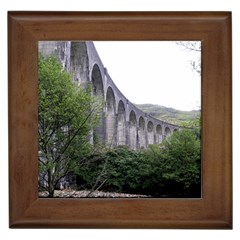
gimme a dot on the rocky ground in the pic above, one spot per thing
(95, 194)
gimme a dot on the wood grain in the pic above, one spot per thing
(213, 210)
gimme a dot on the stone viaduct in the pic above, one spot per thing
(122, 123)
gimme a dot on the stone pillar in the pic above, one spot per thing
(121, 129)
(111, 130)
(127, 133)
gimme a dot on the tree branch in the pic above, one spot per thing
(74, 135)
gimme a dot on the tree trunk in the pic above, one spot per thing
(50, 185)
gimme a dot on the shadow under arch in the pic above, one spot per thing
(150, 132)
(167, 132)
(110, 117)
(99, 133)
(158, 134)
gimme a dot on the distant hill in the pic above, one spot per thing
(170, 115)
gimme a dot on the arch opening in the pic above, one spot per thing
(110, 118)
(167, 132)
(158, 134)
(150, 133)
(97, 81)
(97, 89)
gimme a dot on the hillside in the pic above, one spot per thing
(169, 114)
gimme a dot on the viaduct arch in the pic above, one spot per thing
(121, 122)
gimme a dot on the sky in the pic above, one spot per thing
(156, 72)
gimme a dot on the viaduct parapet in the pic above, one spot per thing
(122, 123)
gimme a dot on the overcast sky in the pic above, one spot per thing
(153, 72)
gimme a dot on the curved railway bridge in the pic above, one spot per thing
(122, 123)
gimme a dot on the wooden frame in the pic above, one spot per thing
(213, 210)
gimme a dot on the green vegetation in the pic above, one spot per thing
(66, 116)
(170, 115)
(172, 169)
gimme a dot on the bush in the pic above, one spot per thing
(172, 169)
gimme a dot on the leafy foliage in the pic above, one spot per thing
(172, 169)
(183, 158)
(66, 115)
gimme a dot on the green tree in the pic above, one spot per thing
(194, 125)
(172, 169)
(182, 158)
(66, 115)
